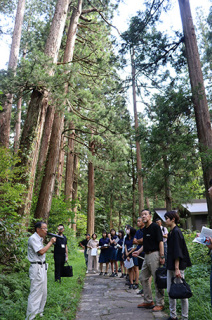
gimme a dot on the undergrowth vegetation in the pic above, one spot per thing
(62, 300)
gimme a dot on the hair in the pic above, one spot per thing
(132, 232)
(122, 234)
(94, 234)
(158, 219)
(104, 231)
(171, 215)
(146, 210)
(39, 224)
(128, 226)
(112, 230)
(60, 225)
(139, 218)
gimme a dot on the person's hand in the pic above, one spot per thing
(210, 245)
(53, 240)
(177, 273)
(135, 254)
(109, 235)
(66, 257)
(162, 260)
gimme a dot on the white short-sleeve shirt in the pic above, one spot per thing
(35, 244)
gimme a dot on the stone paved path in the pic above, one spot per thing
(105, 298)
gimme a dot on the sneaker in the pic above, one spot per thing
(101, 274)
(135, 286)
(131, 286)
(116, 274)
(158, 308)
(105, 274)
(122, 276)
(112, 274)
(141, 291)
(149, 305)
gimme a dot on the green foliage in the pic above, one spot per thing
(11, 193)
(62, 300)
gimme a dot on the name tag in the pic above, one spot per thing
(63, 246)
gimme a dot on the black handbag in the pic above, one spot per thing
(67, 271)
(179, 290)
(161, 277)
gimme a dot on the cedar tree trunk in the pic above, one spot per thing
(34, 123)
(91, 192)
(138, 149)
(5, 115)
(199, 98)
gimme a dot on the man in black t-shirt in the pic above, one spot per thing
(154, 256)
(83, 244)
(60, 253)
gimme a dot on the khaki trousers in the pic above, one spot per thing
(92, 262)
(38, 290)
(150, 265)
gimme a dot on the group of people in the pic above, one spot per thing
(146, 249)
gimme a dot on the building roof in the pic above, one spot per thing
(161, 212)
(196, 206)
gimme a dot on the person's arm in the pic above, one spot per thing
(140, 241)
(177, 270)
(136, 253)
(81, 245)
(46, 248)
(66, 253)
(161, 252)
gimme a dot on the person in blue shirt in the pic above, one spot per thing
(138, 240)
(119, 253)
(113, 252)
(104, 257)
(129, 248)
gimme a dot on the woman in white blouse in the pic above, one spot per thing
(92, 253)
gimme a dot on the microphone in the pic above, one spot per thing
(54, 235)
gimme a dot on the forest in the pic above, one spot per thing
(71, 152)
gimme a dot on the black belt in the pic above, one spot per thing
(38, 262)
(148, 252)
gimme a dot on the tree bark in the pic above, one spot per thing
(47, 187)
(91, 192)
(34, 123)
(44, 146)
(168, 197)
(5, 115)
(138, 149)
(59, 175)
(69, 177)
(202, 115)
(48, 182)
(75, 191)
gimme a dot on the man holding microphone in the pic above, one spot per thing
(38, 270)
